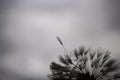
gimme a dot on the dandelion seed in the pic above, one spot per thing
(59, 40)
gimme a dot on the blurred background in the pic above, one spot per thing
(29, 29)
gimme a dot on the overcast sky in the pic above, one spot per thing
(31, 26)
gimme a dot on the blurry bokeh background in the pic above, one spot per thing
(29, 29)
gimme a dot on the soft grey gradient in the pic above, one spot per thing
(30, 27)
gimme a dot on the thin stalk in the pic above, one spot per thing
(61, 43)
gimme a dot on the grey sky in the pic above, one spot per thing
(31, 27)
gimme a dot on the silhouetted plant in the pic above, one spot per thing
(85, 64)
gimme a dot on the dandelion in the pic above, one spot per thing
(85, 64)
